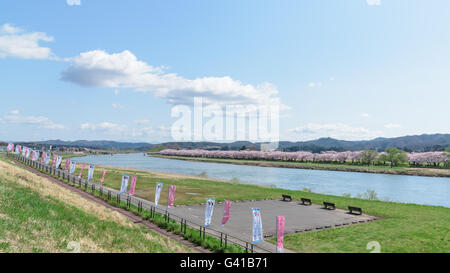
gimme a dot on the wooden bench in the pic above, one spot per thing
(306, 201)
(286, 197)
(329, 205)
(352, 209)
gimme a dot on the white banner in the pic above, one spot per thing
(91, 172)
(209, 211)
(58, 161)
(158, 192)
(123, 187)
(73, 165)
(47, 158)
(257, 234)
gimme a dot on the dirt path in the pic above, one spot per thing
(134, 218)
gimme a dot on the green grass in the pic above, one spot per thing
(348, 166)
(31, 222)
(193, 235)
(402, 227)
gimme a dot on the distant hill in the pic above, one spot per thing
(416, 143)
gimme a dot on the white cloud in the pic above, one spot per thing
(141, 121)
(14, 112)
(315, 84)
(332, 78)
(123, 70)
(14, 42)
(42, 122)
(364, 115)
(116, 92)
(373, 2)
(73, 2)
(122, 131)
(333, 130)
(392, 126)
(104, 126)
(117, 106)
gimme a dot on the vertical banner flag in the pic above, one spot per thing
(24, 150)
(82, 168)
(171, 195)
(47, 158)
(133, 185)
(73, 165)
(91, 172)
(44, 154)
(226, 213)
(33, 156)
(28, 152)
(158, 192)
(209, 211)
(123, 187)
(280, 233)
(257, 234)
(103, 177)
(55, 156)
(67, 164)
(58, 161)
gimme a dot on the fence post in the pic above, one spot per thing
(226, 240)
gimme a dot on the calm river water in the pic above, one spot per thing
(400, 188)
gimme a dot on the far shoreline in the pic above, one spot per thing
(428, 172)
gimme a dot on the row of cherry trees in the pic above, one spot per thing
(360, 157)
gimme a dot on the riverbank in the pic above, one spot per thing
(401, 228)
(36, 215)
(430, 172)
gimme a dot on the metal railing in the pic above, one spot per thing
(141, 205)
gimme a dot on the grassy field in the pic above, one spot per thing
(347, 167)
(402, 227)
(38, 216)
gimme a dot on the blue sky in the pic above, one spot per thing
(351, 69)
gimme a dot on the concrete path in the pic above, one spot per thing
(299, 218)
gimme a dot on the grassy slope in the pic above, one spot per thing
(403, 170)
(39, 216)
(403, 228)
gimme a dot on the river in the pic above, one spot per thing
(399, 188)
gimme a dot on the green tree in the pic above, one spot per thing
(395, 156)
(447, 149)
(368, 156)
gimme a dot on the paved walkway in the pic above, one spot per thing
(299, 218)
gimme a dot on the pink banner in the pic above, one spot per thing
(280, 233)
(54, 160)
(44, 154)
(133, 185)
(226, 213)
(103, 177)
(67, 164)
(82, 168)
(171, 195)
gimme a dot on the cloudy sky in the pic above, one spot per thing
(350, 69)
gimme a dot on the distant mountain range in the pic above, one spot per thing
(416, 143)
